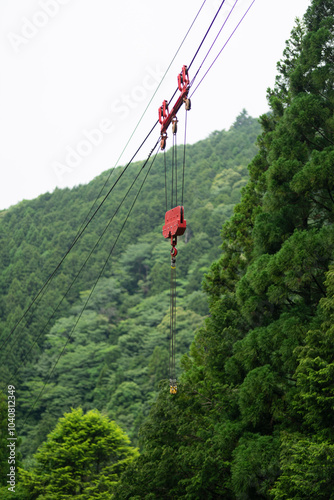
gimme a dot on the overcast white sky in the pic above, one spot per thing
(76, 76)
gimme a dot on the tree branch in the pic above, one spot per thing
(321, 204)
(323, 135)
(318, 285)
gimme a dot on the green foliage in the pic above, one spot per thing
(83, 457)
(315, 369)
(259, 376)
(182, 458)
(307, 468)
(252, 417)
(255, 466)
(115, 356)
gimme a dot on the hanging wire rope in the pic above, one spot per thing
(184, 154)
(174, 166)
(172, 329)
(172, 186)
(70, 336)
(175, 225)
(165, 167)
(175, 161)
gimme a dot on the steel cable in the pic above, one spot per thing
(70, 336)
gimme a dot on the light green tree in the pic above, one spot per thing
(83, 457)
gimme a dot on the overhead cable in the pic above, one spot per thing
(208, 52)
(80, 270)
(221, 50)
(70, 336)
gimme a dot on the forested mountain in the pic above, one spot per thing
(253, 415)
(112, 355)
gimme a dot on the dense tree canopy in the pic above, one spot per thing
(254, 414)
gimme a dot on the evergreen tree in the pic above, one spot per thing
(83, 457)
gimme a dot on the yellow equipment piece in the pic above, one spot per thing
(173, 389)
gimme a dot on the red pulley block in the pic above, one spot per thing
(175, 223)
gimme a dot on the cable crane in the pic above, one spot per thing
(175, 223)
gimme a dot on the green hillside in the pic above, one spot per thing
(117, 354)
